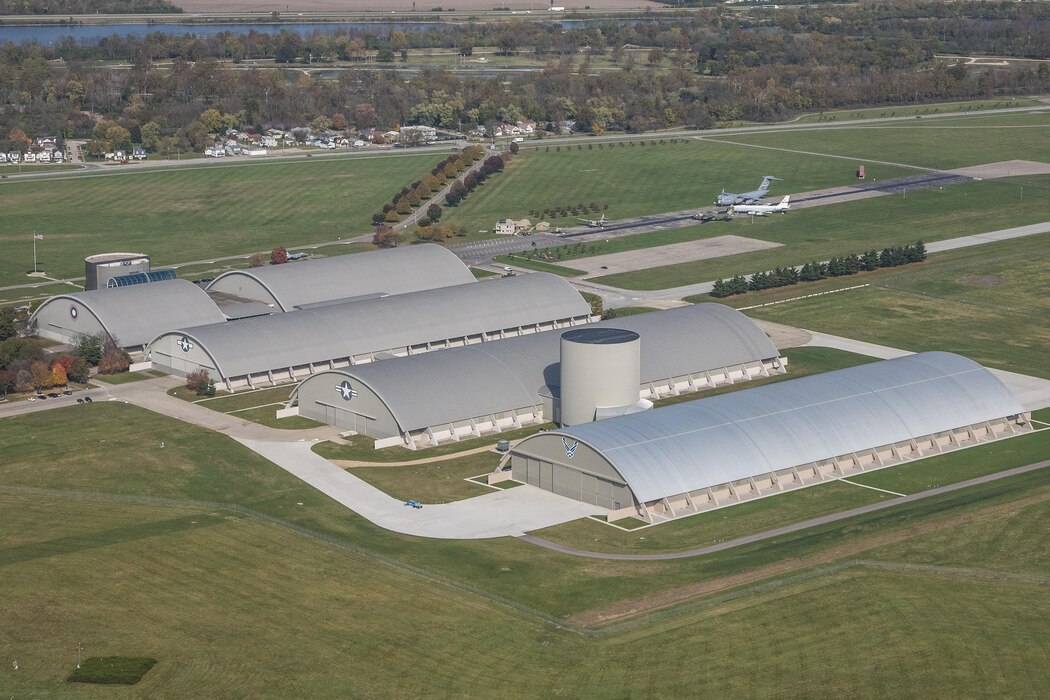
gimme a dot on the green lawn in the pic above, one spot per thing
(123, 377)
(361, 448)
(436, 482)
(820, 233)
(922, 143)
(934, 109)
(245, 399)
(989, 302)
(634, 180)
(195, 213)
(242, 605)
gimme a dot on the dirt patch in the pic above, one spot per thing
(674, 596)
(658, 256)
(1006, 168)
(982, 281)
(784, 336)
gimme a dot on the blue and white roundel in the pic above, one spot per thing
(73, 313)
(185, 344)
(346, 390)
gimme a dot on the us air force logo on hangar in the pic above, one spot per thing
(570, 450)
(185, 344)
(73, 313)
(345, 390)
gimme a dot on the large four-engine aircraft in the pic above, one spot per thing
(728, 199)
(762, 209)
(595, 223)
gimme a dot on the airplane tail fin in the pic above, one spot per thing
(785, 200)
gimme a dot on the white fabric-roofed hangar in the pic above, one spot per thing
(722, 450)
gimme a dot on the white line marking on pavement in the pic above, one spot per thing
(873, 488)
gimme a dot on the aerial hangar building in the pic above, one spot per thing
(345, 277)
(287, 346)
(718, 451)
(128, 302)
(480, 389)
(132, 316)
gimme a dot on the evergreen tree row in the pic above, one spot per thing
(843, 266)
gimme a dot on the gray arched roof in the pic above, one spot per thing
(319, 334)
(713, 441)
(478, 380)
(395, 271)
(136, 315)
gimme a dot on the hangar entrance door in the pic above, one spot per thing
(572, 483)
(348, 420)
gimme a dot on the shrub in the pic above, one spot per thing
(112, 670)
(114, 362)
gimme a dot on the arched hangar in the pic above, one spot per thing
(283, 347)
(346, 277)
(468, 391)
(722, 450)
(132, 316)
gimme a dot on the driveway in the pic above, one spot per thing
(508, 513)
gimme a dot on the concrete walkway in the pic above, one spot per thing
(781, 531)
(509, 513)
(1032, 392)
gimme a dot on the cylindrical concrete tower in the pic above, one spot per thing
(600, 373)
(99, 269)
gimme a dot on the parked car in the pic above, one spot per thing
(67, 392)
(87, 399)
(54, 395)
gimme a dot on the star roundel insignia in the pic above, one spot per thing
(185, 344)
(346, 390)
(73, 312)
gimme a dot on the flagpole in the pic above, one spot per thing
(34, 252)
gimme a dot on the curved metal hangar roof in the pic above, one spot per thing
(476, 380)
(384, 272)
(691, 446)
(255, 345)
(133, 315)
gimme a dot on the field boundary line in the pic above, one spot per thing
(804, 296)
(873, 488)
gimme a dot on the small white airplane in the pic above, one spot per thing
(762, 209)
(595, 223)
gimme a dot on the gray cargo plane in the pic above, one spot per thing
(728, 199)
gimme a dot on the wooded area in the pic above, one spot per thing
(692, 71)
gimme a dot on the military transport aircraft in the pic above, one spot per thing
(728, 199)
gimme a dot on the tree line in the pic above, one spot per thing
(691, 71)
(841, 266)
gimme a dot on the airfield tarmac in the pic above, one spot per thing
(689, 251)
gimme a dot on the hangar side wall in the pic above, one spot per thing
(364, 412)
(55, 321)
(585, 476)
(170, 356)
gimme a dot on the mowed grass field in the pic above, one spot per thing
(306, 600)
(634, 180)
(951, 142)
(934, 109)
(195, 213)
(989, 302)
(823, 232)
